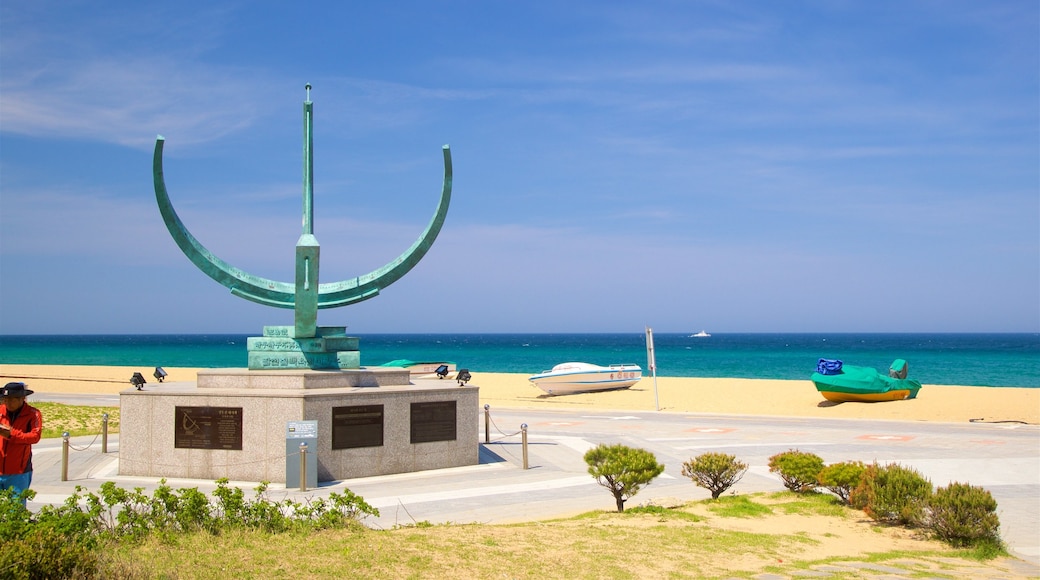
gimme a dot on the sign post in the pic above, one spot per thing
(651, 363)
(298, 433)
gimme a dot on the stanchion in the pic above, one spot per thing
(104, 433)
(303, 466)
(487, 423)
(523, 437)
(65, 456)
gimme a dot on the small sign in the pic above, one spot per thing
(207, 428)
(357, 426)
(301, 430)
(433, 421)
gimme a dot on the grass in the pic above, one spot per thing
(77, 420)
(650, 542)
(738, 506)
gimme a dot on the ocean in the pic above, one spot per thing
(995, 360)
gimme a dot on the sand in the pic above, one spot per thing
(789, 398)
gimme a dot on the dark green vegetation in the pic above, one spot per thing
(622, 470)
(173, 535)
(68, 540)
(960, 515)
(715, 472)
(798, 470)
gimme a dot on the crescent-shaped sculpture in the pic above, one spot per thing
(283, 294)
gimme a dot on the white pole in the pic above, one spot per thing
(651, 362)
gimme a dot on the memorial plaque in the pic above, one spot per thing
(357, 426)
(207, 428)
(434, 421)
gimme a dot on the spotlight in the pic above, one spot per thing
(463, 377)
(442, 371)
(138, 381)
(159, 373)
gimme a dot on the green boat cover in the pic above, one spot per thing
(404, 363)
(865, 381)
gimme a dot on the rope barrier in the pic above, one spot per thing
(522, 432)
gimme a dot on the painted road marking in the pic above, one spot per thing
(772, 444)
(886, 437)
(709, 430)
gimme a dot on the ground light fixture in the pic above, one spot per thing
(159, 373)
(138, 381)
(463, 377)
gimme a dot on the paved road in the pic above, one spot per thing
(1003, 458)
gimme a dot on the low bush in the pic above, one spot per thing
(893, 494)
(47, 553)
(715, 472)
(841, 478)
(622, 470)
(964, 515)
(797, 469)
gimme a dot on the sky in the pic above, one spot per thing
(756, 166)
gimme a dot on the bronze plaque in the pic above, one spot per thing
(433, 421)
(357, 426)
(207, 428)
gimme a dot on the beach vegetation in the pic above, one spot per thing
(841, 478)
(964, 515)
(715, 472)
(798, 470)
(893, 494)
(622, 470)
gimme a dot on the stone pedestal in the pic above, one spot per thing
(232, 423)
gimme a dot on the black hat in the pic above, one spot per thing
(15, 390)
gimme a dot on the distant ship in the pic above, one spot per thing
(700, 334)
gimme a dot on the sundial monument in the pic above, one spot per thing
(232, 422)
(305, 344)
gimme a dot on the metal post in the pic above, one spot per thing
(65, 456)
(487, 424)
(104, 433)
(523, 439)
(303, 466)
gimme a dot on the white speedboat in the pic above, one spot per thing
(701, 334)
(579, 377)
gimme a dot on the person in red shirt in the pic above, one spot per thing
(20, 427)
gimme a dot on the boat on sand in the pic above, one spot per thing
(422, 367)
(843, 383)
(579, 377)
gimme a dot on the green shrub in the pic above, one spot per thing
(893, 494)
(622, 470)
(46, 553)
(797, 469)
(964, 516)
(841, 478)
(715, 472)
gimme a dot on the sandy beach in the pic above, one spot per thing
(941, 403)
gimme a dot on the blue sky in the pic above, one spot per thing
(731, 166)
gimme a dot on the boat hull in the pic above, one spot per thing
(840, 397)
(864, 385)
(571, 378)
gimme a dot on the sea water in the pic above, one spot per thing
(1011, 360)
